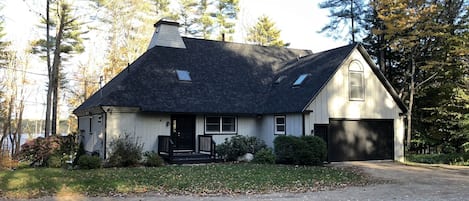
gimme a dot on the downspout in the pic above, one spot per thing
(105, 135)
(303, 117)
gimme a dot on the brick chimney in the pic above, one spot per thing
(167, 35)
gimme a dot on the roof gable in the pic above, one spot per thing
(228, 78)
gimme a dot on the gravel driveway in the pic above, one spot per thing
(406, 183)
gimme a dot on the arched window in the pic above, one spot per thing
(356, 81)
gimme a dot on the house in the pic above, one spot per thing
(185, 95)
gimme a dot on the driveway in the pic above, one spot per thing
(405, 183)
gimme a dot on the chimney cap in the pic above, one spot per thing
(167, 22)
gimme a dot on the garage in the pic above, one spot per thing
(364, 139)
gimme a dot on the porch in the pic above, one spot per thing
(204, 152)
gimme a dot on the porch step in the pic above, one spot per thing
(189, 158)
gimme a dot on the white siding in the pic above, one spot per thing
(149, 126)
(92, 135)
(333, 100)
(266, 129)
(399, 139)
(294, 126)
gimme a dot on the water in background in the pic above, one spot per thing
(24, 137)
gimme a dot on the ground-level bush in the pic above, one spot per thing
(6, 162)
(300, 151)
(452, 159)
(319, 148)
(126, 152)
(264, 156)
(239, 145)
(152, 159)
(89, 162)
(40, 150)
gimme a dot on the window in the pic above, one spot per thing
(279, 79)
(183, 75)
(356, 81)
(279, 123)
(300, 80)
(220, 124)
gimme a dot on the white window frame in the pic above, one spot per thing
(356, 68)
(276, 131)
(220, 125)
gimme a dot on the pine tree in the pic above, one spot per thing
(347, 18)
(204, 21)
(265, 33)
(66, 41)
(187, 16)
(226, 15)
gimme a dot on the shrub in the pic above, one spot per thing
(264, 156)
(54, 161)
(452, 159)
(319, 148)
(80, 152)
(39, 150)
(89, 162)
(125, 152)
(300, 151)
(284, 148)
(6, 162)
(239, 145)
(465, 147)
(152, 159)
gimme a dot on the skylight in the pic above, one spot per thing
(279, 79)
(300, 80)
(183, 75)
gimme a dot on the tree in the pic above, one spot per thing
(4, 56)
(187, 11)
(129, 31)
(340, 13)
(422, 33)
(265, 33)
(226, 15)
(66, 41)
(204, 20)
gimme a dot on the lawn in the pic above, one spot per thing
(197, 179)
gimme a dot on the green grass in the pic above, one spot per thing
(199, 179)
(451, 159)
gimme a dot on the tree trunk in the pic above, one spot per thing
(50, 73)
(411, 103)
(351, 17)
(55, 69)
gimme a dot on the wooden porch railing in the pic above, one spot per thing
(205, 152)
(207, 145)
(165, 146)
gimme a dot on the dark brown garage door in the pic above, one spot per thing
(351, 140)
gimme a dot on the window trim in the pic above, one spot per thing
(220, 125)
(284, 132)
(360, 72)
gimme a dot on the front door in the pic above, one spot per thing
(183, 131)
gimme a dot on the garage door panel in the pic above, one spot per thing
(360, 140)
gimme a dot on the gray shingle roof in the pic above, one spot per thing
(227, 78)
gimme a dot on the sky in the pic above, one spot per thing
(298, 20)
